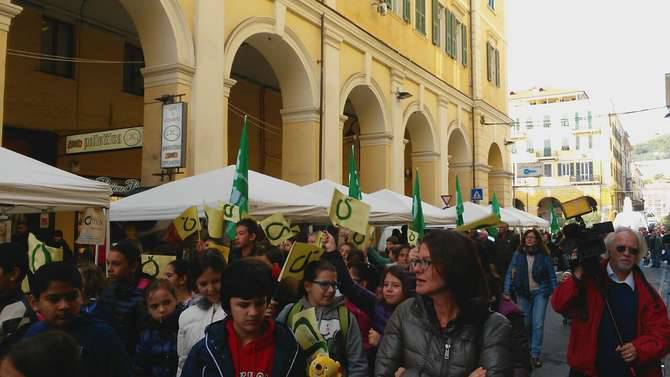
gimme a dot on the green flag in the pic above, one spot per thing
(239, 195)
(418, 222)
(553, 221)
(354, 184)
(495, 209)
(459, 204)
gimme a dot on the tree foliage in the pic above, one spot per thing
(653, 149)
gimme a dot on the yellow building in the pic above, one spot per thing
(412, 84)
(577, 151)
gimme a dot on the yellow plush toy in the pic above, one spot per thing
(324, 366)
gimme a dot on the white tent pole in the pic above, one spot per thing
(108, 237)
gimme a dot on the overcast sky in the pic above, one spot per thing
(618, 51)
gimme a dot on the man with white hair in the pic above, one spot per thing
(638, 315)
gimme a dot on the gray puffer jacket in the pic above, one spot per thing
(414, 341)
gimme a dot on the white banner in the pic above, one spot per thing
(173, 135)
(121, 138)
(92, 227)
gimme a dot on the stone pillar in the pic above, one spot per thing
(331, 136)
(300, 145)
(7, 12)
(462, 170)
(160, 80)
(375, 161)
(207, 115)
(428, 165)
(397, 182)
(443, 139)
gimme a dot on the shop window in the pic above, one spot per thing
(57, 39)
(133, 82)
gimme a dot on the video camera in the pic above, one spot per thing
(587, 241)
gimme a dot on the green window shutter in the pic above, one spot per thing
(497, 68)
(576, 121)
(406, 10)
(448, 36)
(464, 44)
(488, 61)
(420, 10)
(436, 24)
(455, 24)
(590, 119)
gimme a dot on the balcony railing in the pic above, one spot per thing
(546, 154)
(585, 179)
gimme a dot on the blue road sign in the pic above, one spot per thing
(477, 194)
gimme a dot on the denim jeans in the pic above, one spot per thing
(534, 309)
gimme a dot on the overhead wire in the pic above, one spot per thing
(541, 123)
(60, 58)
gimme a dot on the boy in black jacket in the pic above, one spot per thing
(246, 343)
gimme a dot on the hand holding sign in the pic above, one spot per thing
(349, 213)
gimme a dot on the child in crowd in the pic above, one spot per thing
(401, 256)
(94, 283)
(122, 303)
(156, 353)
(15, 313)
(57, 296)
(246, 343)
(337, 327)
(177, 273)
(54, 353)
(205, 275)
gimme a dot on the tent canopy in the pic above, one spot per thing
(528, 220)
(471, 212)
(28, 186)
(432, 215)
(267, 196)
(381, 211)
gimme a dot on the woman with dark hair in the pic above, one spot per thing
(49, 354)
(177, 273)
(335, 324)
(532, 278)
(205, 274)
(94, 283)
(447, 329)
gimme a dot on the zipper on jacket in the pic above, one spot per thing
(447, 351)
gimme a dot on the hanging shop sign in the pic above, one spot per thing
(173, 135)
(122, 138)
(120, 186)
(92, 227)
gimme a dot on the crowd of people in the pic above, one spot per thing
(456, 304)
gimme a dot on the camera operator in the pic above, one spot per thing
(638, 316)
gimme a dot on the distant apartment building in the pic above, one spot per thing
(657, 199)
(579, 152)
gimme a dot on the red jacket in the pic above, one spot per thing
(256, 357)
(653, 327)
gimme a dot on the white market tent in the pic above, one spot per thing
(30, 186)
(267, 196)
(381, 211)
(471, 212)
(528, 219)
(432, 215)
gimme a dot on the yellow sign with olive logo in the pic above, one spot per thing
(187, 223)
(277, 229)
(231, 212)
(298, 258)
(412, 237)
(155, 265)
(362, 241)
(349, 213)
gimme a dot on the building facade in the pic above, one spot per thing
(657, 200)
(580, 152)
(413, 85)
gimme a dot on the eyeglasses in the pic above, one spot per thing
(423, 263)
(631, 250)
(326, 284)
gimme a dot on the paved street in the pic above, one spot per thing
(556, 334)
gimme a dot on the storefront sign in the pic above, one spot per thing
(525, 170)
(120, 188)
(173, 135)
(122, 138)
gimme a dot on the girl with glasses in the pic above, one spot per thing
(335, 325)
(532, 278)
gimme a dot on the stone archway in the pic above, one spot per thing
(518, 204)
(421, 154)
(496, 180)
(297, 104)
(459, 163)
(544, 207)
(364, 126)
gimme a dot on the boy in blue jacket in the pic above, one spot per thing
(56, 289)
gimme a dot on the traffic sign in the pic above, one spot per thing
(446, 199)
(476, 194)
